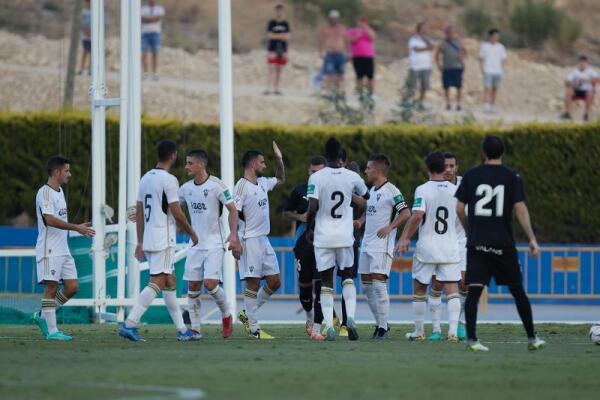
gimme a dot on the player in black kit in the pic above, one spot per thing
(492, 191)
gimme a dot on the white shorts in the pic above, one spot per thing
(423, 272)
(259, 259)
(341, 257)
(204, 264)
(374, 263)
(161, 262)
(56, 268)
(463, 259)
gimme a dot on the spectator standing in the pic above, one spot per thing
(152, 15)
(492, 59)
(449, 57)
(580, 85)
(420, 54)
(332, 49)
(278, 33)
(86, 37)
(361, 39)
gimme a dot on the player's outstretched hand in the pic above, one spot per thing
(131, 213)
(235, 246)
(402, 246)
(194, 238)
(534, 248)
(276, 151)
(383, 232)
(139, 252)
(86, 230)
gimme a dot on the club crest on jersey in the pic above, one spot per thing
(251, 268)
(53, 272)
(205, 192)
(378, 196)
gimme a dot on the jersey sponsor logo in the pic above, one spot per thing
(62, 212)
(226, 194)
(371, 210)
(198, 206)
(398, 198)
(487, 249)
(262, 203)
(418, 202)
(310, 190)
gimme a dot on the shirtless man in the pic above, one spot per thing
(332, 49)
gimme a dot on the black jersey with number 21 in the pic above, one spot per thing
(490, 192)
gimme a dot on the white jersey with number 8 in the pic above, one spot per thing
(158, 189)
(438, 241)
(333, 187)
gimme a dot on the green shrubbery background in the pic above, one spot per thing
(559, 163)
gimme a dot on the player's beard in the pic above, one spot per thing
(258, 173)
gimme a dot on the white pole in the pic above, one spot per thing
(226, 119)
(98, 156)
(122, 217)
(133, 139)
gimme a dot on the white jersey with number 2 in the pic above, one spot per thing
(438, 241)
(333, 187)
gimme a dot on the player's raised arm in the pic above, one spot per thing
(522, 213)
(280, 173)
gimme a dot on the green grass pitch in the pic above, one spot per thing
(100, 365)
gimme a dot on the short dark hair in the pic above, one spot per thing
(343, 155)
(435, 162)
(333, 149)
(382, 160)
(250, 156)
(165, 149)
(199, 154)
(420, 26)
(492, 147)
(279, 6)
(317, 160)
(56, 162)
(582, 57)
(448, 155)
(492, 31)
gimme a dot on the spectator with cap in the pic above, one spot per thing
(152, 15)
(278, 33)
(332, 49)
(420, 51)
(580, 85)
(492, 59)
(361, 40)
(449, 57)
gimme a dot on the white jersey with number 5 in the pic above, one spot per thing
(333, 187)
(158, 189)
(438, 241)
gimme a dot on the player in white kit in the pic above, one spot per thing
(55, 265)
(434, 215)
(435, 290)
(386, 211)
(205, 196)
(258, 260)
(331, 191)
(157, 214)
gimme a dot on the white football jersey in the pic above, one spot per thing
(252, 200)
(384, 204)
(205, 203)
(51, 241)
(158, 189)
(460, 230)
(438, 242)
(333, 187)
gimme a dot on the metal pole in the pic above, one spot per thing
(98, 156)
(226, 123)
(123, 125)
(133, 139)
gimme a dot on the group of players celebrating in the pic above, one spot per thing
(330, 210)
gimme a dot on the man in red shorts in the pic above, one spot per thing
(278, 33)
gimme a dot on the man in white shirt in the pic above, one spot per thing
(152, 15)
(205, 196)
(420, 56)
(492, 60)
(331, 191)
(258, 260)
(434, 215)
(157, 214)
(580, 85)
(386, 211)
(55, 264)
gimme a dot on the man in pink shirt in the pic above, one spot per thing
(361, 39)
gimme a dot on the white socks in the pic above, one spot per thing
(250, 300)
(349, 294)
(170, 297)
(263, 295)
(419, 306)
(49, 315)
(380, 291)
(141, 304)
(368, 291)
(463, 298)
(194, 309)
(453, 313)
(218, 295)
(60, 299)
(327, 306)
(435, 306)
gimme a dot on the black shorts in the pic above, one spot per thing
(484, 262)
(452, 77)
(579, 94)
(307, 264)
(354, 268)
(364, 67)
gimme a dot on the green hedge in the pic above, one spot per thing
(559, 163)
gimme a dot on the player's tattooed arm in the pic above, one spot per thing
(84, 229)
(522, 214)
(460, 213)
(313, 207)
(280, 173)
(408, 232)
(234, 242)
(182, 221)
